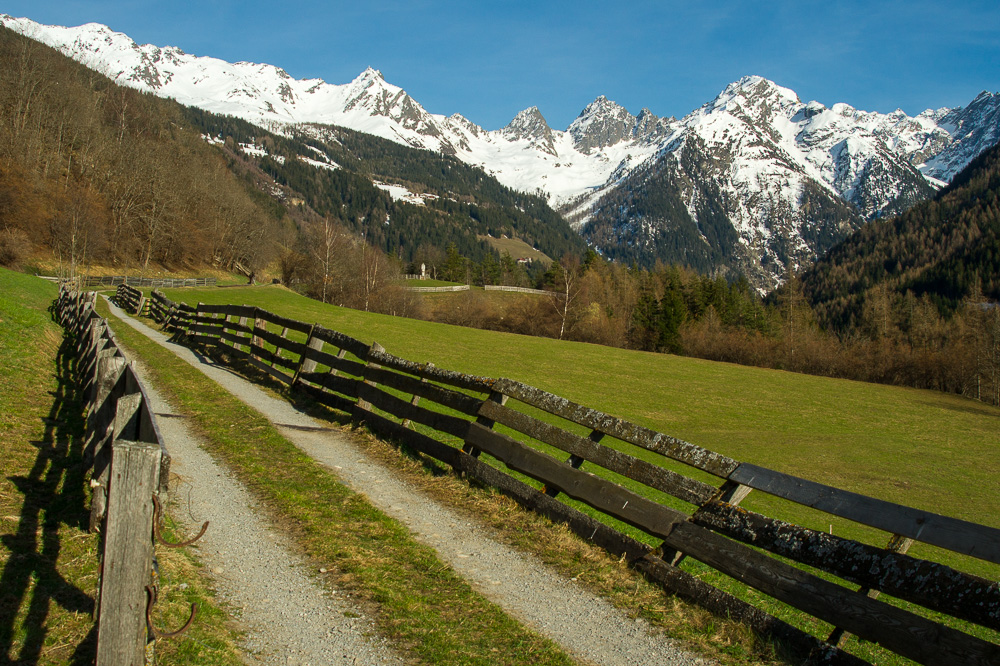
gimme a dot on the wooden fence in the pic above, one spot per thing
(520, 290)
(162, 283)
(454, 418)
(429, 290)
(131, 299)
(129, 472)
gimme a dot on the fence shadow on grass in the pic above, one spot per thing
(54, 494)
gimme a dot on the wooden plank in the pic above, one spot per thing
(195, 338)
(599, 493)
(950, 533)
(575, 461)
(269, 369)
(207, 319)
(242, 329)
(204, 329)
(415, 400)
(128, 555)
(460, 402)
(486, 422)
(235, 338)
(402, 409)
(337, 362)
(326, 398)
(345, 385)
(280, 342)
(110, 386)
(636, 554)
(927, 584)
(418, 441)
(228, 310)
(651, 440)
(307, 364)
(274, 358)
(905, 633)
(107, 367)
(897, 544)
(432, 373)
(148, 432)
(356, 347)
(654, 476)
(727, 606)
(284, 322)
(232, 352)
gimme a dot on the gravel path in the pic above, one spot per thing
(584, 624)
(290, 619)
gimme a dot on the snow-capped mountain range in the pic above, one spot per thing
(772, 158)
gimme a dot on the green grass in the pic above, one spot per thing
(517, 249)
(915, 447)
(920, 448)
(418, 602)
(49, 560)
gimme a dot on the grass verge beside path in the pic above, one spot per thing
(49, 560)
(418, 602)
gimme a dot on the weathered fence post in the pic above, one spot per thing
(416, 398)
(730, 492)
(259, 324)
(574, 461)
(125, 410)
(307, 364)
(495, 396)
(128, 554)
(376, 348)
(897, 544)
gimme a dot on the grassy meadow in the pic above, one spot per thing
(517, 249)
(919, 448)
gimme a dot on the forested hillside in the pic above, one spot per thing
(459, 202)
(95, 172)
(92, 172)
(945, 250)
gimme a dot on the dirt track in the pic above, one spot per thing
(585, 625)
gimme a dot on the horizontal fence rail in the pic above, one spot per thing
(130, 468)
(88, 281)
(456, 418)
(520, 290)
(430, 290)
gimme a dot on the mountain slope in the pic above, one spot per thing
(90, 171)
(400, 199)
(945, 248)
(773, 158)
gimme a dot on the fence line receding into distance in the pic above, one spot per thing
(129, 467)
(455, 418)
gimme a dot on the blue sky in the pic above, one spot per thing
(488, 59)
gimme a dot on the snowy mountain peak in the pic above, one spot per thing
(370, 74)
(602, 123)
(530, 125)
(755, 157)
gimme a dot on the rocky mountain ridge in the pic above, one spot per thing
(756, 159)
